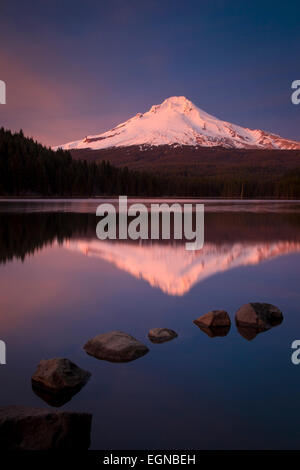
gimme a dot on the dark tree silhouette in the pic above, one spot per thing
(27, 168)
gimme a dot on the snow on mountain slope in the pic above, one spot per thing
(177, 121)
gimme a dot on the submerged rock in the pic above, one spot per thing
(55, 399)
(215, 318)
(248, 332)
(115, 346)
(254, 318)
(25, 428)
(215, 331)
(161, 335)
(57, 380)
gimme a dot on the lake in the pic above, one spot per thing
(60, 286)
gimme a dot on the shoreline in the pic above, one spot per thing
(116, 197)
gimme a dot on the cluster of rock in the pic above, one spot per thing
(117, 346)
(57, 380)
(251, 319)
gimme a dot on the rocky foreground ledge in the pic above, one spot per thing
(25, 428)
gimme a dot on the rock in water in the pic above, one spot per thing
(248, 332)
(55, 399)
(161, 335)
(215, 331)
(115, 346)
(260, 316)
(24, 428)
(254, 318)
(215, 318)
(57, 380)
(59, 374)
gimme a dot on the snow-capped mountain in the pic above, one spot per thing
(177, 121)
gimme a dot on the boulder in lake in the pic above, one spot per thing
(55, 399)
(115, 346)
(161, 335)
(215, 331)
(248, 332)
(213, 319)
(257, 317)
(25, 428)
(59, 374)
(214, 323)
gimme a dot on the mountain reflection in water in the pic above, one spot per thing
(72, 287)
(175, 270)
(232, 239)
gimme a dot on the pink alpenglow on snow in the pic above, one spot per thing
(177, 121)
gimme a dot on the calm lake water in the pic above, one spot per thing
(60, 286)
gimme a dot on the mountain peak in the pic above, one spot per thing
(177, 121)
(180, 101)
(180, 104)
(175, 103)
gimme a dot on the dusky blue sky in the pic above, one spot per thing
(80, 67)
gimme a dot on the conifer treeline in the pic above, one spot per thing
(29, 169)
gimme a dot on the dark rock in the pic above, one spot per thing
(215, 331)
(215, 318)
(259, 315)
(55, 399)
(24, 428)
(161, 335)
(115, 346)
(254, 318)
(248, 332)
(57, 380)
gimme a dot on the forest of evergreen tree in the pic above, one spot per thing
(28, 168)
